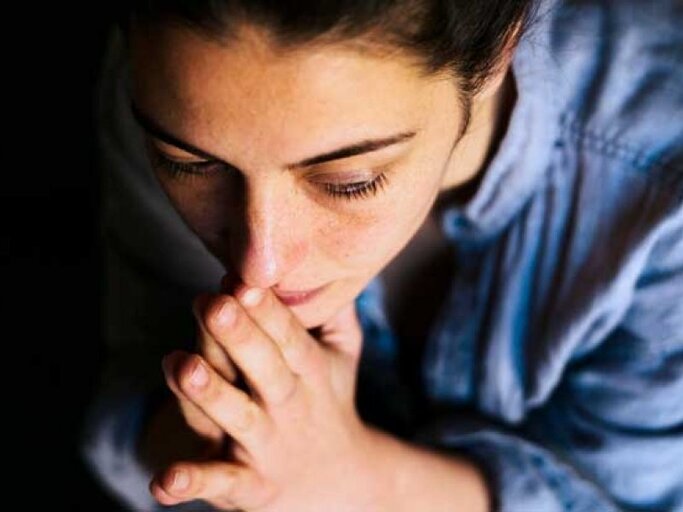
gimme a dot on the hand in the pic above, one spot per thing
(299, 443)
(177, 429)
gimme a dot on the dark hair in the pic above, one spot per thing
(463, 37)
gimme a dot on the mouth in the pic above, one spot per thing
(295, 298)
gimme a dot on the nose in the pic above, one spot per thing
(267, 239)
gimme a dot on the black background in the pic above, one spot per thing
(50, 253)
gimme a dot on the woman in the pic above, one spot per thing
(449, 240)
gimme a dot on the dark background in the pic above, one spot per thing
(50, 254)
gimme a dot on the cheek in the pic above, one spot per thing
(366, 241)
(363, 247)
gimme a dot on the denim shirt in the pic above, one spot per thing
(556, 359)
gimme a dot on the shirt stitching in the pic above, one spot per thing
(613, 146)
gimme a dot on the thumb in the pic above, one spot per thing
(342, 333)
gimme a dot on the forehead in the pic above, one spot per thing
(257, 92)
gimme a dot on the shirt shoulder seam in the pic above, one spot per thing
(637, 158)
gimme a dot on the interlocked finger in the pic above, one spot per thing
(230, 408)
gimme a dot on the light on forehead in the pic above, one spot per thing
(354, 149)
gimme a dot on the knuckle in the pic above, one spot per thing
(288, 394)
(302, 356)
(248, 415)
(281, 385)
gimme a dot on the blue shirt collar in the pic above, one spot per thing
(524, 152)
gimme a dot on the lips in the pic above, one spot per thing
(294, 298)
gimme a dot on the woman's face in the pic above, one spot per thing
(255, 120)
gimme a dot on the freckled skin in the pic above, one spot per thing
(261, 108)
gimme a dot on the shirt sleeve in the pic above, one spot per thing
(611, 435)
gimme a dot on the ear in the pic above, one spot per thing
(500, 69)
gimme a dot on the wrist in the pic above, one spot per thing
(421, 478)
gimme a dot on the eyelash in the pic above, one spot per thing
(348, 191)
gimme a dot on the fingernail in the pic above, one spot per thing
(226, 315)
(199, 376)
(181, 480)
(252, 297)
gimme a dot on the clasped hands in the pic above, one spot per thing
(297, 442)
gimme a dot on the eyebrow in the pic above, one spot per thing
(358, 148)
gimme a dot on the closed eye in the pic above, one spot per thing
(203, 169)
